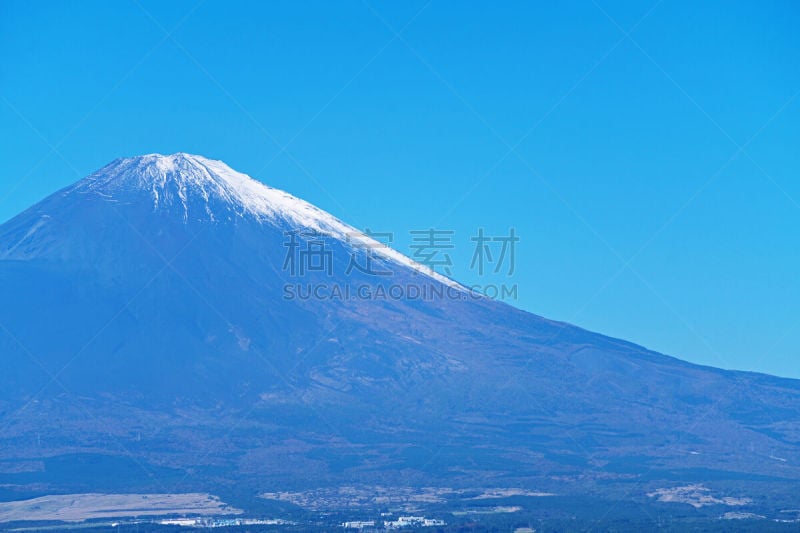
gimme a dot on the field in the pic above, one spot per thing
(79, 507)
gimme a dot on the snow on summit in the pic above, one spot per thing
(181, 178)
(206, 189)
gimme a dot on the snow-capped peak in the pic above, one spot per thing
(180, 178)
(208, 189)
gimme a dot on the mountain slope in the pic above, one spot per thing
(147, 327)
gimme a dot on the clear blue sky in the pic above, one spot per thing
(646, 153)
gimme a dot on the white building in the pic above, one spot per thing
(358, 524)
(413, 521)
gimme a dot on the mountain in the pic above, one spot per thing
(157, 335)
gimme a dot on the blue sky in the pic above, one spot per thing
(645, 152)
